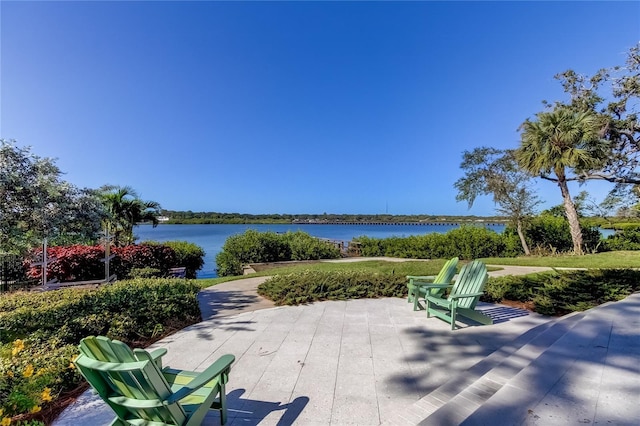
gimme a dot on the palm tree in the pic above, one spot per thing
(125, 210)
(559, 140)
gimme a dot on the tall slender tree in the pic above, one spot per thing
(496, 172)
(560, 146)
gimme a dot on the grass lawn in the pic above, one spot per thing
(606, 260)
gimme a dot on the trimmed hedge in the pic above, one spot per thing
(310, 286)
(39, 332)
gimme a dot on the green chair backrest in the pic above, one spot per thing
(445, 275)
(447, 272)
(130, 382)
(472, 279)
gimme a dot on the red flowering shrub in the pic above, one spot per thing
(81, 263)
(72, 263)
(142, 256)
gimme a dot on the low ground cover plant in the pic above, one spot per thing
(39, 334)
(561, 292)
(310, 286)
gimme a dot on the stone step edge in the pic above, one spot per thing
(464, 381)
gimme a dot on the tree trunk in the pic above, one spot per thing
(572, 217)
(525, 246)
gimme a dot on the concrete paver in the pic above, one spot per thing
(365, 361)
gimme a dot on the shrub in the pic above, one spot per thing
(72, 263)
(39, 333)
(81, 263)
(627, 239)
(561, 292)
(303, 246)
(189, 255)
(258, 247)
(466, 242)
(548, 234)
(145, 273)
(142, 256)
(310, 286)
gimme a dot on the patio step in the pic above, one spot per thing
(454, 400)
(563, 385)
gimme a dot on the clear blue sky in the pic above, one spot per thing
(292, 107)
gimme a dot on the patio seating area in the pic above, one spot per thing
(374, 361)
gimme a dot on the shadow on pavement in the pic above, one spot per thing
(252, 412)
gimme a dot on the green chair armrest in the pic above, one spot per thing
(433, 285)
(462, 296)
(216, 369)
(421, 277)
(158, 353)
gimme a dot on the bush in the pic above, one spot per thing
(82, 263)
(310, 286)
(548, 234)
(627, 239)
(259, 247)
(466, 242)
(72, 263)
(561, 292)
(39, 333)
(189, 255)
(142, 256)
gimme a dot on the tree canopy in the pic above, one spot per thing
(490, 171)
(35, 203)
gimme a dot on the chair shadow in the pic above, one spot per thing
(501, 314)
(252, 412)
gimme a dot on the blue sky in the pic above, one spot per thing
(292, 107)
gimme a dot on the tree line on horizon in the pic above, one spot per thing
(189, 217)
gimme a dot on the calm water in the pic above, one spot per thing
(212, 237)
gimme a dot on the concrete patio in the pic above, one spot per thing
(375, 361)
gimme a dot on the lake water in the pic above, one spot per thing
(212, 237)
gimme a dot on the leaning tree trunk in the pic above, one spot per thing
(572, 217)
(525, 246)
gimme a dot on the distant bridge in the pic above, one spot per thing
(399, 223)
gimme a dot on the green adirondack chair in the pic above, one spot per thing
(417, 285)
(134, 384)
(463, 296)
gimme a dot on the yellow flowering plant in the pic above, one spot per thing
(30, 376)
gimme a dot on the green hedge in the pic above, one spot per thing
(39, 332)
(627, 239)
(258, 247)
(189, 255)
(467, 242)
(310, 286)
(562, 292)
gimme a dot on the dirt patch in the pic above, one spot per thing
(521, 305)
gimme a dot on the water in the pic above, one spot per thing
(212, 237)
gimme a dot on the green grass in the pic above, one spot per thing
(606, 260)
(415, 267)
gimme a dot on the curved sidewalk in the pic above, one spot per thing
(375, 361)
